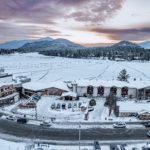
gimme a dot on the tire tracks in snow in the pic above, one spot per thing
(100, 75)
(138, 72)
(44, 75)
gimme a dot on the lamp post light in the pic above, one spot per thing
(79, 135)
(35, 111)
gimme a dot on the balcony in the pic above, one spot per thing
(6, 93)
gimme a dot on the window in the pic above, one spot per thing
(101, 90)
(124, 91)
(90, 90)
(113, 90)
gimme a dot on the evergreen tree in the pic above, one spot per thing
(123, 76)
(111, 102)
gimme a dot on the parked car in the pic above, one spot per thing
(12, 118)
(36, 97)
(97, 145)
(39, 148)
(63, 106)
(133, 115)
(145, 148)
(53, 106)
(148, 133)
(122, 147)
(80, 104)
(113, 147)
(147, 124)
(46, 123)
(58, 106)
(74, 105)
(119, 125)
(69, 106)
(135, 148)
(22, 120)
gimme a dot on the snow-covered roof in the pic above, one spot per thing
(4, 83)
(143, 112)
(131, 106)
(111, 83)
(72, 94)
(37, 86)
(59, 85)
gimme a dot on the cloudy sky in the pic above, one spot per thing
(81, 21)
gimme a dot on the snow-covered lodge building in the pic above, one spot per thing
(45, 89)
(99, 88)
(89, 88)
(8, 94)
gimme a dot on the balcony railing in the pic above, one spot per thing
(6, 93)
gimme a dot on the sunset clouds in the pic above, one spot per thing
(131, 34)
(47, 11)
(60, 18)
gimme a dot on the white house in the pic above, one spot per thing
(69, 96)
(99, 88)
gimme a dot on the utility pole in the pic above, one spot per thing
(79, 135)
(36, 111)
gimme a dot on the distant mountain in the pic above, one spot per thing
(57, 44)
(145, 45)
(126, 44)
(14, 44)
(43, 39)
(19, 43)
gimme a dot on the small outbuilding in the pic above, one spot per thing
(69, 96)
(144, 115)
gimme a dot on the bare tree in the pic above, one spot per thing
(111, 102)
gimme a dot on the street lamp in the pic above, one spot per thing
(36, 111)
(79, 134)
(80, 129)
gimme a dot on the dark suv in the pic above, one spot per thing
(97, 145)
(22, 120)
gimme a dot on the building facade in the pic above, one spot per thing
(8, 94)
(105, 88)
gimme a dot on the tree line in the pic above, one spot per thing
(7, 51)
(111, 53)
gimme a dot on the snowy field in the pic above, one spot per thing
(44, 68)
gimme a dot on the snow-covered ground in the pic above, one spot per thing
(9, 145)
(133, 106)
(45, 68)
(73, 114)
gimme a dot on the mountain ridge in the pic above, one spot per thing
(59, 43)
(54, 44)
(145, 44)
(19, 43)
